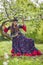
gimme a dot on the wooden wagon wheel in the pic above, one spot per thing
(6, 23)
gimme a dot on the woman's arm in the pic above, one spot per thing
(23, 27)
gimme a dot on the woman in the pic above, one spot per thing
(20, 44)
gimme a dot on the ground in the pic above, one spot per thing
(5, 47)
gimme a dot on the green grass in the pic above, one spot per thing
(5, 47)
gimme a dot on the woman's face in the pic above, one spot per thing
(15, 22)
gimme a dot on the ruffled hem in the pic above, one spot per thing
(34, 53)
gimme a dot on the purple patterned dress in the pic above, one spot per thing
(22, 45)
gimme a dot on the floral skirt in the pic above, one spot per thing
(24, 46)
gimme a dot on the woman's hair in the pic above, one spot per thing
(12, 28)
(15, 19)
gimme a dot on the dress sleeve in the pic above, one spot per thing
(23, 27)
(20, 26)
(6, 29)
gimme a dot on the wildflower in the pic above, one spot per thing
(6, 56)
(5, 63)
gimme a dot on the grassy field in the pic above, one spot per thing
(5, 47)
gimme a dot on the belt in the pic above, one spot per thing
(14, 35)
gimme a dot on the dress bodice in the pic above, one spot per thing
(15, 30)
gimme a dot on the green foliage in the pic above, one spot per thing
(24, 8)
(35, 31)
